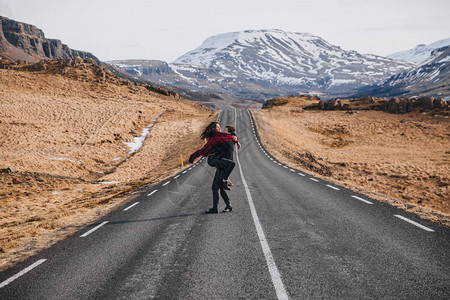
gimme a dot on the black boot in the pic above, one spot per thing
(227, 209)
(212, 211)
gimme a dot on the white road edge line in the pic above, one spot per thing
(414, 223)
(273, 270)
(152, 193)
(313, 179)
(136, 203)
(333, 187)
(166, 183)
(24, 271)
(361, 199)
(93, 229)
(176, 177)
(184, 172)
(301, 174)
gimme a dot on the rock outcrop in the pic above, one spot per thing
(20, 41)
(393, 105)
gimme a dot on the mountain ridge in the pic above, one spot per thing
(22, 41)
(431, 78)
(270, 63)
(419, 54)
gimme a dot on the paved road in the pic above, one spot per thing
(290, 236)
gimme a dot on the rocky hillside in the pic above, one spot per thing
(431, 78)
(20, 41)
(86, 70)
(268, 63)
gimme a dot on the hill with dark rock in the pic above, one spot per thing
(21, 41)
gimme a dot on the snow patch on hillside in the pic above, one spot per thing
(420, 53)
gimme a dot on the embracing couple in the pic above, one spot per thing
(219, 150)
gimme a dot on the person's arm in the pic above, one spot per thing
(207, 148)
(235, 140)
(203, 150)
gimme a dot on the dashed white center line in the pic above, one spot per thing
(24, 271)
(136, 203)
(285, 167)
(190, 169)
(313, 179)
(414, 223)
(292, 170)
(333, 187)
(176, 177)
(361, 199)
(93, 229)
(301, 174)
(152, 193)
(184, 172)
(166, 183)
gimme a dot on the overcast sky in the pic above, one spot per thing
(166, 29)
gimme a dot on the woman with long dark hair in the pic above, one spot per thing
(219, 150)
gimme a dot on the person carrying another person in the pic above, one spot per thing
(219, 150)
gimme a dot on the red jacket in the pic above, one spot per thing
(208, 148)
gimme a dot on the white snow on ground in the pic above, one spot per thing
(138, 141)
(420, 53)
(64, 158)
(178, 68)
(341, 81)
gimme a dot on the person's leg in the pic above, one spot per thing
(227, 165)
(213, 161)
(215, 191)
(228, 168)
(226, 199)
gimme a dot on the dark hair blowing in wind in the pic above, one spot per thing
(209, 130)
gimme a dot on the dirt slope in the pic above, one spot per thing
(403, 159)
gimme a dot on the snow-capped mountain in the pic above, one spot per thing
(267, 63)
(419, 54)
(430, 78)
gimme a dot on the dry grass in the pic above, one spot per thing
(63, 134)
(401, 159)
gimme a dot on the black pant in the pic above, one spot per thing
(217, 182)
(227, 165)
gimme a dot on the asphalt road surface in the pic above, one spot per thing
(290, 235)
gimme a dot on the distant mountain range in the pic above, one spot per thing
(261, 64)
(268, 63)
(420, 53)
(430, 78)
(21, 41)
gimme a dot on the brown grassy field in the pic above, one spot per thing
(63, 132)
(403, 159)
